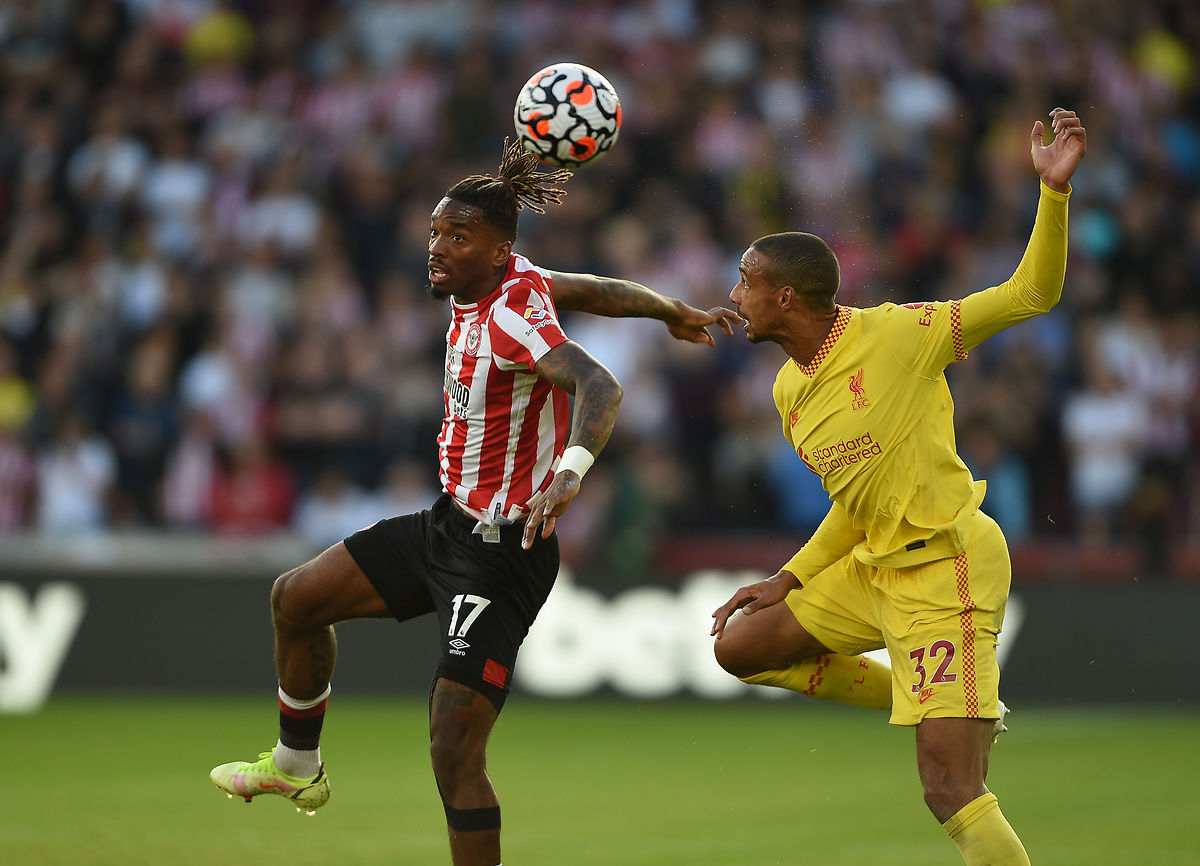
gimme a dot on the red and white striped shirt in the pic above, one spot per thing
(505, 425)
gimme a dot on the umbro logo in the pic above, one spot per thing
(458, 646)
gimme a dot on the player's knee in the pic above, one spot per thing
(453, 759)
(945, 794)
(288, 606)
(457, 751)
(734, 657)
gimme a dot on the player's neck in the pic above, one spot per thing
(477, 293)
(809, 336)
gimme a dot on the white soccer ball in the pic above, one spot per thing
(567, 115)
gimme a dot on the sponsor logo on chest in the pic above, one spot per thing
(458, 395)
(823, 459)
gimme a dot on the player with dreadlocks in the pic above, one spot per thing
(484, 557)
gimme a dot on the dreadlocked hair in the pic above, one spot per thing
(519, 184)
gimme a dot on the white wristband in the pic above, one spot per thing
(577, 459)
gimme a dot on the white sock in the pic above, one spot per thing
(301, 763)
(297, 704)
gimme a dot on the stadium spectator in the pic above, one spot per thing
(17, 476)
(16, 463)
(334, 508)
(253, 492)
(1009, 495)
(1106, 429)
(106, 172)
(174, 193)
(190, 473)
(407, 487)
(75, 475)
(141, 426)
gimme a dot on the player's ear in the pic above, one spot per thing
(501, 254)
(786, 295)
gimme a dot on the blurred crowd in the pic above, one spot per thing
(212, 250)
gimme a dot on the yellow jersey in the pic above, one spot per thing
(872, 414)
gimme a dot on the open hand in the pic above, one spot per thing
(1057, 161)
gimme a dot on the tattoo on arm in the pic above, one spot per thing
(570, 291)
(633, 299)
(608, 296)
(597, 393)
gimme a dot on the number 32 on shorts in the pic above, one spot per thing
(939, 655)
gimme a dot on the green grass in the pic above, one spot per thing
(123, 781)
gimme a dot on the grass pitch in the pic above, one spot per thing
(90, 782)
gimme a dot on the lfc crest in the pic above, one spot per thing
(856, 388)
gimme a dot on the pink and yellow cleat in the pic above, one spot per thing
(247, 780)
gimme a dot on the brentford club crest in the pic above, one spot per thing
(474, 336)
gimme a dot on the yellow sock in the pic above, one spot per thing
(855, 680)
(983, 835)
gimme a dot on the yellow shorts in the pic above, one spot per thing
(939, 622)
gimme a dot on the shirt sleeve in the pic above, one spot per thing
(832, 540)
(1036, 285)
(524, 327)
(928, 337)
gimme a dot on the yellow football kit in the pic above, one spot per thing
(905, 559)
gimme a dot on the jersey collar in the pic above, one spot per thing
(839, 328)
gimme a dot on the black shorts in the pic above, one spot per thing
(486, 595)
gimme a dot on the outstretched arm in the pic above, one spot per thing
(609, 296)
(597, 399)
(1037, 283)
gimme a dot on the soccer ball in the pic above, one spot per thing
(567, 115)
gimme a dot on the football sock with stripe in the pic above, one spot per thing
(298, 752)
(983, 835)
(856, 680)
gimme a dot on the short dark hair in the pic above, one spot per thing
(804, 262)
(518, 184)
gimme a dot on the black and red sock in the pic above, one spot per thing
(300, 721)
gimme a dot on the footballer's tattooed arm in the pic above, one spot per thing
(597, 399)
(616, 298)
(597, 393)
(609, 296)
